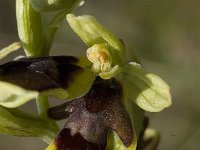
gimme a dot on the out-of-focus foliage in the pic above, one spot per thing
(166, 36)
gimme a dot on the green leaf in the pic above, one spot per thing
(13, 96)
(9, 49)
(147, 90)
(54, 5)
(92, 32)
(18, 123)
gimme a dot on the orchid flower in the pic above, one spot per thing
(105, 96)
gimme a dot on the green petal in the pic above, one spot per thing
(13, 96)
(147, 90)
(92, 32)
(9, 49)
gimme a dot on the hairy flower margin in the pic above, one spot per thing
(73, 79)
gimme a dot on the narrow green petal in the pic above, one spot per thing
(147, 90)
(13, 96)
(9, 49)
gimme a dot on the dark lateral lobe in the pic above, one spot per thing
(40, 73)
(94, 115)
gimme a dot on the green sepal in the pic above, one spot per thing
(14, 96)
(54, 5)
(147, 90)
(9, 49)
(17, 123)
(92, 32)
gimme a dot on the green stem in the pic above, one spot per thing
(42, 106)
(56, 22)
(53, 27)
(31, 34)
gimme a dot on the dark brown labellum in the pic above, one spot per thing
(94, 115)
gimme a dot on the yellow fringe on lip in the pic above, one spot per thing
(52, 146)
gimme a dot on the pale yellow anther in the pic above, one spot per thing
(100, 58)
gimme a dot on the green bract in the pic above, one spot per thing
(147, 90)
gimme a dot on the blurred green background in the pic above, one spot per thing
(165, 34)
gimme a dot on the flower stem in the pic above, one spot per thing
(42, 106)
